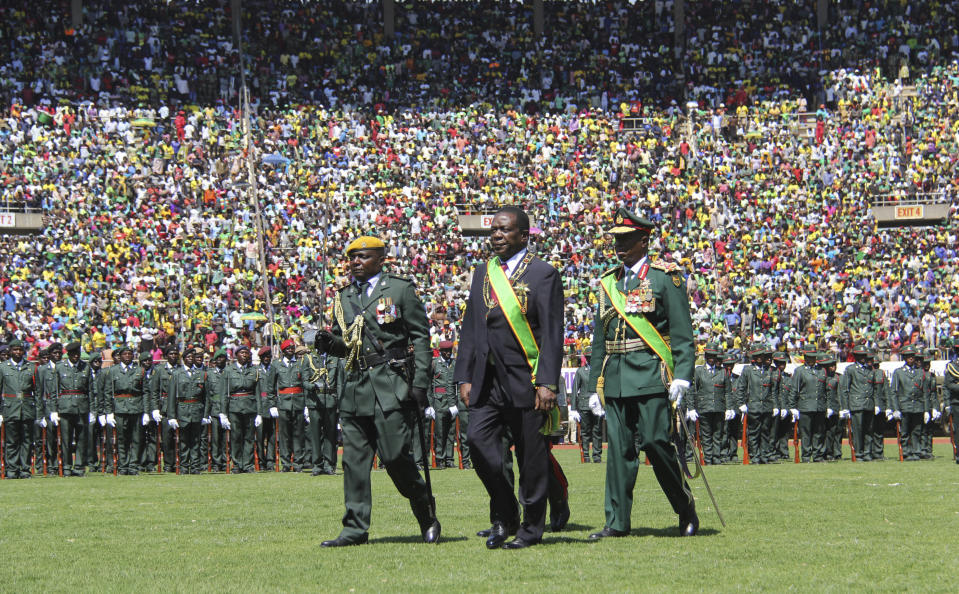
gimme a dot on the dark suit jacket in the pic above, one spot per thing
(489, 336)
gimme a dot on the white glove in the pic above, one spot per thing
(257, 421)
(574, 416)
(602, 413)
(90, 419)
(1, 419)
(224, 421)
(145, 419)
(897, 415)
(844, 414)
(102, 419)
(692, 415)
(677, 389)
(795, 413)
(877, 410)
(829, 412)
(173, 424)
(274, 412)
(730, 415)
(429, 413)
(306, 414)
(925, 417)
(55, 418)
(743, 409)
(775, 412)
(782, 413)
(111, 420)
(156, 416)
(888, 414)
(206, 421)
(595, 405)
(454, 411)
(936, 414)
(41, 422)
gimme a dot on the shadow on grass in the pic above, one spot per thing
(671, 532)
(413, 539)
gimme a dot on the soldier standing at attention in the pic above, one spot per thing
(147, 457)
(160, 381)
(756, 399)
(444, 402)
(95, 429)
(808, 406)
(72, 410)
(950, 385)
(325, 382)
(783, 427)
(857, 403)
(185, 408)
(21, 409)
(214, 381)
(238, 398)
(267, 419)
(733, 428)
(47, 378)
(590, 424)
(834, 428)
(288, 395)
(707, 403)
(642, 365)
(910, 402)
(929, 380)
(125, 408)
(377, 318)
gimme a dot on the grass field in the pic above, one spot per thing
(881, 526)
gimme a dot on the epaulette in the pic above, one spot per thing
(401, 277)
(666, 266)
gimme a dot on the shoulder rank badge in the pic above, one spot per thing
(676, 280)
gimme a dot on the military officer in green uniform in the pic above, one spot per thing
(707, 403)
(378, 319)
(214, 380)
(125, 406)
(20, 411)
(910, 402)
(642, 362)
(148, 444)
(880, 393)
(950, 386)
(782, 427)
(185, 411)
(590, 424)
(160, 380)
(834, 428)
(444, 394)
(808, 407)
(755, 398)
(47, 378)
(733, 427)
(95, 430)
(857, 403)
(322, 397)
(288, 395)
(266, 423)
(238, 408)
(71, 410)
(929, 380)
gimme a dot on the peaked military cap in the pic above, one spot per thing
(627, 222)
(713, 349)
(73, 346)
(365, 242)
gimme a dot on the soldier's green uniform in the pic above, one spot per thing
(124, 400)
(755, 397)
(590, 424)
(783, 427)
(148, 444)
(238, 407)
(47, 380)
(214, 380)
(635, 380)
(380, 324)
(267, 433)
(160, 380)
(809, 398)
(950, 386)
(95, 431)
(929, 380)
(186, 404)
(463, 421)
(444, 397)
(707, 399)
(733, 427)
(288, 394)
(857, 402)
(326, 381)
(834, 425)
(909, 399)
(21, 410)
(880, 393)
(72, 405)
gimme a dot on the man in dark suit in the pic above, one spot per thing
(508, 368)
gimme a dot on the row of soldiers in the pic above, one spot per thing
(183, 415)
(815, 404)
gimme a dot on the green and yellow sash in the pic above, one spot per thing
(516, 318)
(638, 323)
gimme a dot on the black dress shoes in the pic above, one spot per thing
(607, 532)
(558, 522)
(689, 521)
(339, 541)
(519, 543)
(431, 533)
(511, 530)
(497, 536)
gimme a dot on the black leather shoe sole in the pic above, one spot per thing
(519, 543)
(339, 541)
(432, 533)
(607, 533)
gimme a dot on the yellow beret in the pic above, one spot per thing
(365, 242)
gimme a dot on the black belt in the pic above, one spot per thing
(398, 354)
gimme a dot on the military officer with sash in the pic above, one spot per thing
(238, 408)
(857, 404)
(950, 386)
(910, 402)
(214, 380)
(71, 410)
(590, 424)
(642, 365)
(381, 331)
(125, 406)
(322, 397)
(185, 410)
(20, 411)
(707, 403)
(444, 395)
(755, 398)
(288, 395)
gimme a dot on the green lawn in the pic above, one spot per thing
(886, 526)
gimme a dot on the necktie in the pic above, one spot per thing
(364, 297)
